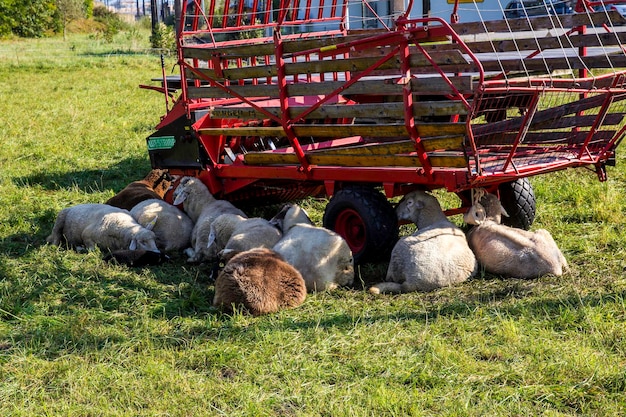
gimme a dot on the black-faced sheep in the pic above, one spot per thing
(101, 225)
(260, 281)
(171, 225)
(507, 251)
(154, 185)
(435, 256)
(203, 209)
(322, 256)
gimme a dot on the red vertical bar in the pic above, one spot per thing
(284, 101)
(225, 15)
(239, 13)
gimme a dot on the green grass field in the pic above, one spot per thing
(79, 337)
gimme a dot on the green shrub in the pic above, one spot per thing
(163, 37)
(113, 24)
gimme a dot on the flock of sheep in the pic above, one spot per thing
(268, 265)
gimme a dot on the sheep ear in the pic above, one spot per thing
(211, 238)
(133, 244)
(279, 218)
(180, 197)
(150, 225)
(503, 211)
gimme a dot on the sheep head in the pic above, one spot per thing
(493, 208)
(487, 207)
(144, 239)
(421, 208)
(289, 216)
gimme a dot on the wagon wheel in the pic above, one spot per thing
(518, 199)
(365, 219)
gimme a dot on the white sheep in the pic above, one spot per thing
(322, 256)
(101, 225)
(508, 251)
(171, 225)
(435, 256)
(203, 209)
(260, 281)
(234, 233)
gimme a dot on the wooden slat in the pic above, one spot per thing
(402, 147)
(375, 111)
(261, 48)
(430, 86)
(329, 66)
(542, 115)
(540, 65)
(544, 138)
(577, 121)
(337, 131)
(452, 160)
(501, 44)
(536, 23)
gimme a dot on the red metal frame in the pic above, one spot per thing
(487, 164)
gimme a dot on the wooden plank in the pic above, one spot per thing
(432, 85)
(544, 138)
(266, 47)
(502, 44)
(542, 115)
(452, 160)
(393, 110)
(400, 147)
(537, 23)
(330, 66)
(577, 121)
(552, 64)
(379, 130)
(337, 131)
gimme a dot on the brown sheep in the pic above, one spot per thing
(154, 185)
(260, 281)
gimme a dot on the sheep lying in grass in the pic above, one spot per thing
(504, 250)
(436, 255)
(260, 281)
(203, 209)
(322, 256)
(154, 185)
(233, 232)
(171, 226)
(101, 225)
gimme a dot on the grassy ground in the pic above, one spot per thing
(81, 337)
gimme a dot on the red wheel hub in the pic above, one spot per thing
(350, 226)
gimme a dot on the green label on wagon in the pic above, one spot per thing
(161, 142)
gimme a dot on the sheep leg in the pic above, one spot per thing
(56, 237)
(386, 288)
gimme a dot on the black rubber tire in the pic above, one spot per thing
(366, 219)
(518, 199)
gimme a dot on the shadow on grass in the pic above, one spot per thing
(117, 52)
(113, 177)
(560, 313)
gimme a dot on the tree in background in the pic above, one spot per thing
(69, 10)
(34, 18)
(7, 21)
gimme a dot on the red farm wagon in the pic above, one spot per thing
(362, 101)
